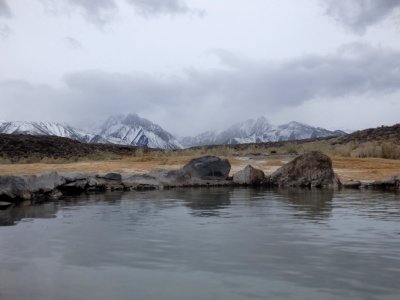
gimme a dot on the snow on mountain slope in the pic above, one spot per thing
(132, 130)
(257, 131)
(44, 128)
(135, 131)
(205, 138)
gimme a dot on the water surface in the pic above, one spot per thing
(217, 243)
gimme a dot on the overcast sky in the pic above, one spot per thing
(196, 65)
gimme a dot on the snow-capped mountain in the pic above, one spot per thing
(135, 131)
(45, 128)
(257, 131)
(132, 130)
(122, 129)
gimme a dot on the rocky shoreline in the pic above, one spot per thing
(310, 170)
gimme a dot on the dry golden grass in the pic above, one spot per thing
(346, 167)
(365, 168)
(129, 164)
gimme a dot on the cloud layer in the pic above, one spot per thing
(4, 9)
(358, 15)
(240, 89)
(103, 11)
(156, 7)
(4, 31)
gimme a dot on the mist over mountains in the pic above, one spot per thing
(133, 130)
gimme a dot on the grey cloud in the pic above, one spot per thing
(98, 12)
(22, 100)
(239, 90)
(4, 9)
(72, 43)
(103, 11)
(156, 7)
(248, 87)
(5, 31)
(357, 15)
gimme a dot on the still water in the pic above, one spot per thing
(217, 243)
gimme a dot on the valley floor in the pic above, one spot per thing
(347, 168)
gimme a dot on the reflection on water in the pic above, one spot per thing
(308, 203)
(205, 243)
(27, 212)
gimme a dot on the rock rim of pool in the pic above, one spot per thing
(310, 170)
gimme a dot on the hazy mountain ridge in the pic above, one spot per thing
(259, 131)
(133, 130)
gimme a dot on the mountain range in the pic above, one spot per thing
(258, 131)
(133, 130)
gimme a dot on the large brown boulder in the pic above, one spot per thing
(312, 169)
(249, 176)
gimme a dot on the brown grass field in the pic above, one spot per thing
(346, 167)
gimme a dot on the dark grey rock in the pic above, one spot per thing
(15, 187)
(140, 182)
(30, 187)
(392, 183)
(207, 167)
(45, 182)
(110, 176)
(352, 184)
(77, 186)
(312, 169)
(71, 177)
(55, 194)
(4, 205)
(249, 176)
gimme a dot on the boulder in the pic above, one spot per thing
(207, 167)
(45, 182)
(74, 182)
(140, 182)
(249, 176)
(312, 169)
(15, 187)
(392, 183)
(29, 187)
(109, 181)
(110, 176)
(71, 177)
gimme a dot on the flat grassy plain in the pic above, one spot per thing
(348, 168)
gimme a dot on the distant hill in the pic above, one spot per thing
(28, 148)
(259, 131)
(383, 133)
